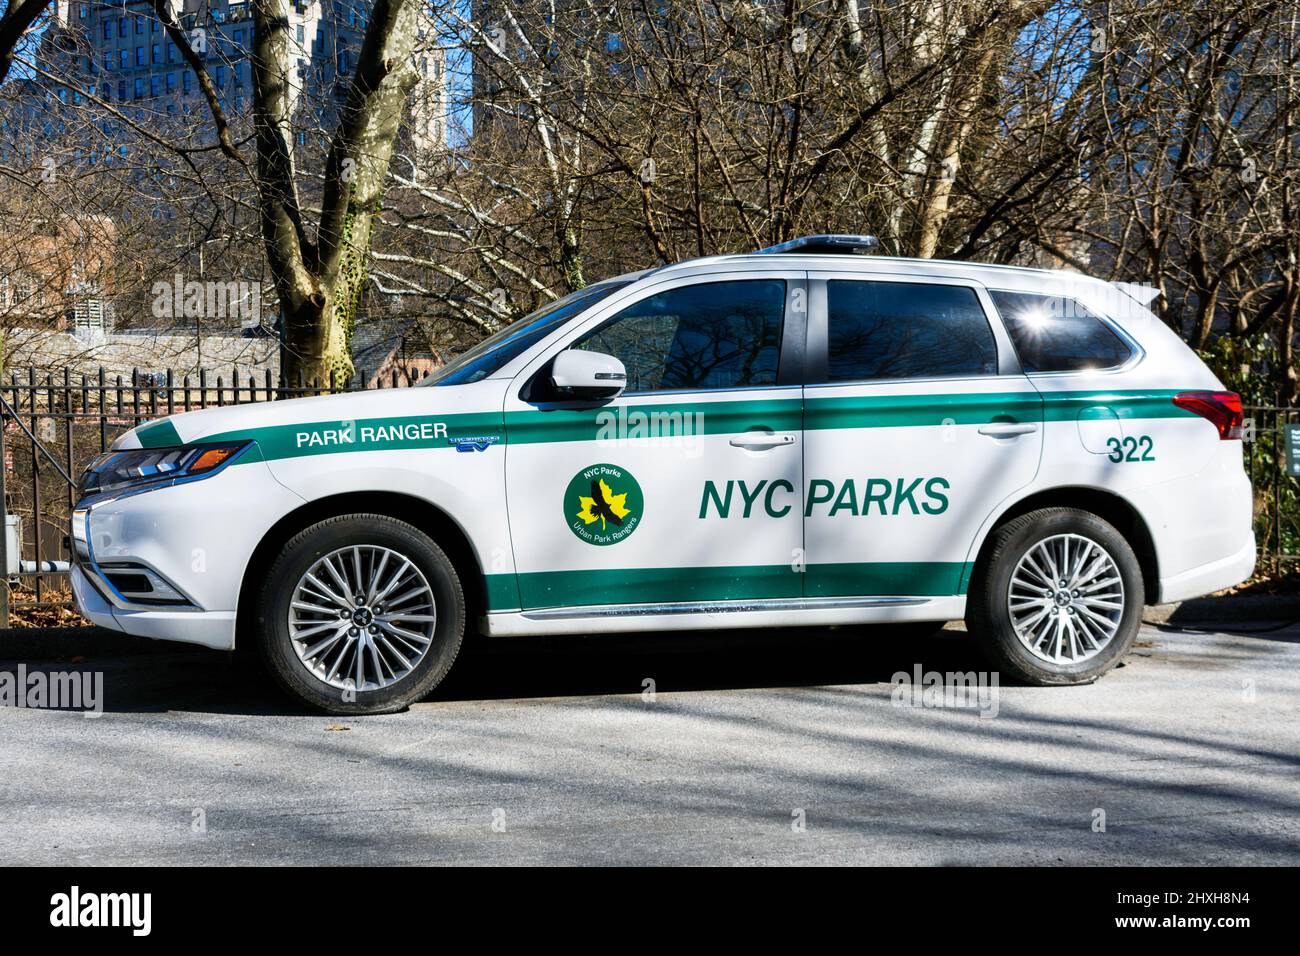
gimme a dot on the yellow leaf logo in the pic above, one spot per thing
(603, 505)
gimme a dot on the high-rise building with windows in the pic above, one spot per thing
(118, 51)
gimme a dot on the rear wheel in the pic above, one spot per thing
(1058, 599)
(361, 614)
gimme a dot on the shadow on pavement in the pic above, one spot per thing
(160, 676)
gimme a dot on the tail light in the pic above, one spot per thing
(1221, 409)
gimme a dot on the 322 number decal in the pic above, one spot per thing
(1128, 449)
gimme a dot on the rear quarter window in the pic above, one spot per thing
(1053, 333)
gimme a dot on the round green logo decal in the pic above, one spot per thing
(603, 504)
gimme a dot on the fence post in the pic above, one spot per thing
(4, 538)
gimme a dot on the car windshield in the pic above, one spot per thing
(516, 338)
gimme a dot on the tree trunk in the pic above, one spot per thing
(320, 280)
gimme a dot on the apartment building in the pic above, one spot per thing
(118, 51)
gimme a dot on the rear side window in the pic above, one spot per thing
(708, 336)
(1053, 333)
(883, 330)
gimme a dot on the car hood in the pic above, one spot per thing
(366, 420)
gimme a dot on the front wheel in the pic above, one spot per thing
(1058, 599)
(361, 614)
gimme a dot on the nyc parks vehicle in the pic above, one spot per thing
(800, 436)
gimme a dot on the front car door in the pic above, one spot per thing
(683, 494)
(918, 422)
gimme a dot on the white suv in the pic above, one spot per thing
(801, 436)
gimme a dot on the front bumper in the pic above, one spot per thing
(215, 629)
(196, 537)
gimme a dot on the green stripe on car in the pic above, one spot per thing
(158, 434)
(666, 420)
(607, 586)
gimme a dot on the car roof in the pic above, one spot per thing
(1120, 301)
(988, 273)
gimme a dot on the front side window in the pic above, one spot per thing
(1053, 333)
(887, 330)
(709, 336)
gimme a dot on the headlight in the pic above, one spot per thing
(79, 533)
(146, 467)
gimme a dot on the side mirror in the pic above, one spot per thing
(579, 374)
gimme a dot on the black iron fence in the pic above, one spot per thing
(53, 425)
(1277, 494)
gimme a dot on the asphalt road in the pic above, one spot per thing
(550, 751)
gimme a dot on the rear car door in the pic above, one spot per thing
(918, 424)
(687, 488)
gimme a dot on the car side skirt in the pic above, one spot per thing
(793, 612)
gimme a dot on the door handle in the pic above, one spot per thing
(1008, 429)
(761, 440)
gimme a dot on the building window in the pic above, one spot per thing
(108, 62)
(84, 11)
(171, 52)
(108, 29)
(124, 58)
(155, 54)
(106, 92)
(187, 78)
(139, 56)
(121, 26)
(139, 87)
(139, 26)
(154, 84)
(301, 35)
(343, 62)
(171, 82)
(237, 74)
(121, 89)
(221, 77)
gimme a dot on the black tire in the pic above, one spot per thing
(988, 615)
(307, 547)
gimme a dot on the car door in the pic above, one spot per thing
(687, 488)
(918, 423)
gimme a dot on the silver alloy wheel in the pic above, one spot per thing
(1066, 599)
(362, 617)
